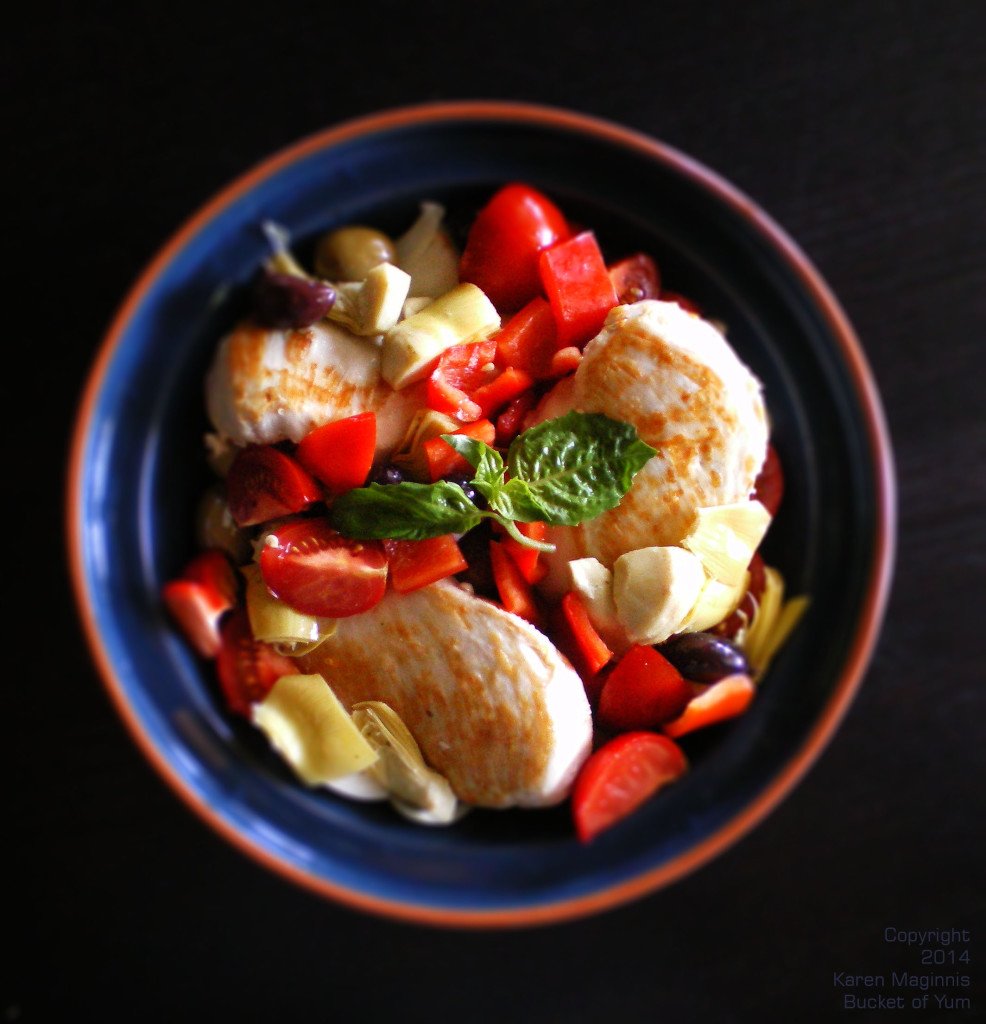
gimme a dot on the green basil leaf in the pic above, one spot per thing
(515, 500)
(578, 465)
(405, 511)
(484, 459)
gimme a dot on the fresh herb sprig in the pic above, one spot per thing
(561, 472)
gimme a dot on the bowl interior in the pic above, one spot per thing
(139, 472)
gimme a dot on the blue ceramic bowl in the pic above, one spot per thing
(135, 479)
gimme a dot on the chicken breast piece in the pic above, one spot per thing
(493, 705)
(269, 385)
(677, 379)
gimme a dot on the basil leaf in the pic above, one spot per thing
(516, 501)
(577, 466)
(405, 511)
(486, 461)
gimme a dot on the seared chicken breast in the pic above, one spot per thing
(268, 385)
(676, 378)
(493, 705)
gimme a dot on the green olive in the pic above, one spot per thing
(350, 253)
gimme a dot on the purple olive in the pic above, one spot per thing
(287, 301)
(704, 658)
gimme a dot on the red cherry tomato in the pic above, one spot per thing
(620, 776)
(340, 453)
(317, 571)
(635, 278)
(263, 483)
(501, 251)
(769, 488)
(247, 668)
(643, 690)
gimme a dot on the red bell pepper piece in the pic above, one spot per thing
(501, 251)
(527, 558)
(643, 691)
(416, 563)
(592, 648)
(443, 459)
(528, 340)
(620, 776)
(515, 592)
(511, 420)
(460, 370)
(578, 288)
(503, 389)
(724, 699)
(340, 453)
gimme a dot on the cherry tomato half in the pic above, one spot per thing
(635, 278)
(620, 776)
(317, 571)
(263, 483)
(247, 668)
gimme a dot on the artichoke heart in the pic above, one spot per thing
(725, 538)
(306, 723)
(416, 790)
(273, 621)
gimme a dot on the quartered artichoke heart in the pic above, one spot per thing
(291, 632)
(417, 791)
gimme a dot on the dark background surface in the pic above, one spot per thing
(861, 127)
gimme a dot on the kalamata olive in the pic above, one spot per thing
(464, 481)
(386, 473)
(289, 301)
(704, 658)
(350, 253)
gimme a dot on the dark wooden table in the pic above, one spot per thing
(861, 127)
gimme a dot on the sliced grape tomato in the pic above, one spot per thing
(264, 483)
(620, 776)
(317, 571)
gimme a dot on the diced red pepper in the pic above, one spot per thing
(444, 459)
(722, 700)
(501, 251)
(510, 421)
(460, 370)
(515, 592)
(643, 691)
(214, 569)
(577, 639)
(591, 645)
(528, 559)
(528, 340)
(492, 397)
(578, 287)
(416, 563)
(340, 453)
